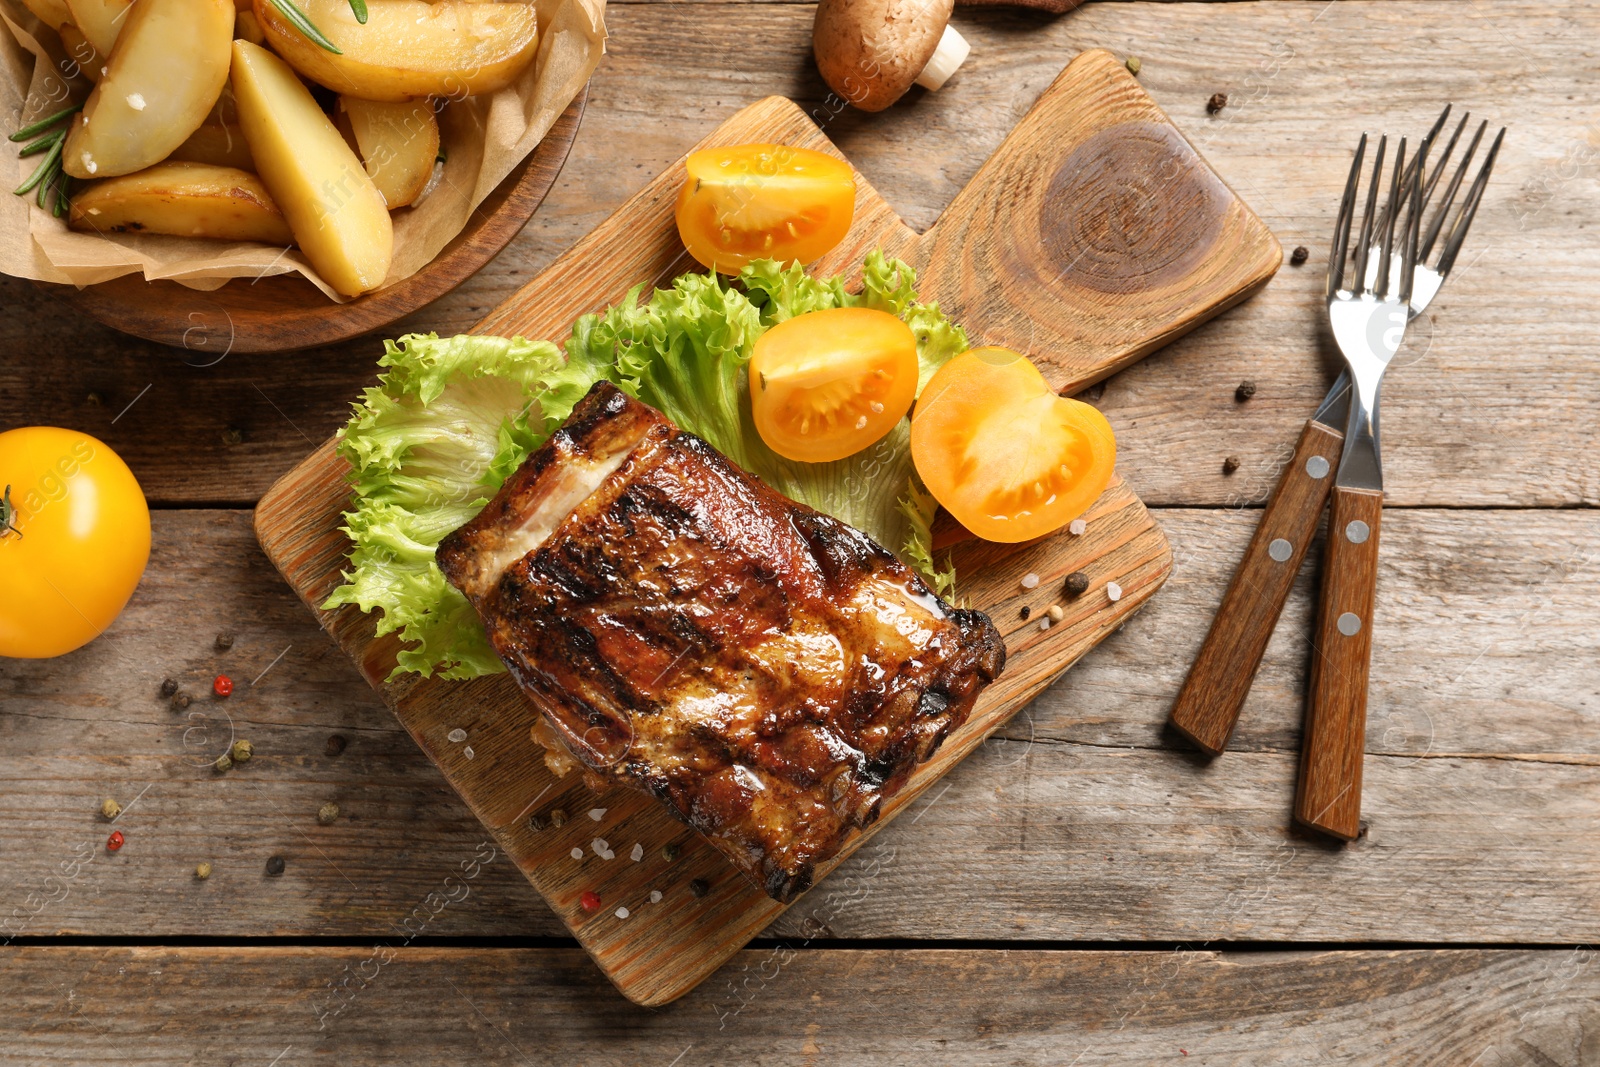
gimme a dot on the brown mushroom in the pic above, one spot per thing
(871, 51)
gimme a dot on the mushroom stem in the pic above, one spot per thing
(951, 53)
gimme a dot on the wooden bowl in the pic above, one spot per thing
(285, 312)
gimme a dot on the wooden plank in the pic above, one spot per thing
(779, 1005)
(1081, 819)
(1305, 78)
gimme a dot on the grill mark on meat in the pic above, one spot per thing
(769, 673)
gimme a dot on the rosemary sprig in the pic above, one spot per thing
(50, 137)
(44, 123)
(300, 21)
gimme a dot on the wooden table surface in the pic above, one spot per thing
(1083, 890)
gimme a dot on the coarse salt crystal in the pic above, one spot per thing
(1113, 591)
(600, 845)
(457, 735)
(467, 752)
(608, 855)
(136, 101)
(1044, 623)
(622, 913)
(597, 814)
(1076, 527)
(577, 853)
(1030, 581)
(655, 896)
(637, 854)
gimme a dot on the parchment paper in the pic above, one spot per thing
(485, 137)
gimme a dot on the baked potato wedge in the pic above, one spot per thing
(100, 21)
(80, 52)
(219, 144)
(184, 200)
(408, 48)
(247, 28)
(398, 144)
(52, 13)
(337, 214)
(165, 73)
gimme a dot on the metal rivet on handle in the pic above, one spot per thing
(1357, 531)
(1349, 624)
(1317, 467)
(1280, 550)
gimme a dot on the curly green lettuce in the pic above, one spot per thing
(428, 446)
(454, 417)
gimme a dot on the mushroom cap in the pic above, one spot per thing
(870, 51)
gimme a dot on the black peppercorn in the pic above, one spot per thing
(1026, 611)
(1230, 464)
(535, 823)
(180, 701)
(224, 642)
(699, 887)
(1077, 583)
(1300, 254)
(1246, 390)
(335, 745)
(275, 865)
(1217, 102)
(169, 687)
(669, 851)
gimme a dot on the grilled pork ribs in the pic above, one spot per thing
(768, 672)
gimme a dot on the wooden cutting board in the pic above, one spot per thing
(1092, 236)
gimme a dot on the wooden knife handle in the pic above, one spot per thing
(1329, 796)
(1209, 703)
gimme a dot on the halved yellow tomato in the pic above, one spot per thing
(1006, 457)
(764, 201)
(826, 384)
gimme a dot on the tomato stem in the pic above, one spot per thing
(8, 513)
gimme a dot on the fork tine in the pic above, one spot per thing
(1408, 244)
(1444, 158)
(1450, 192)
(1381, 288)
(1369, 216)
(1469, 207)
(1341, 228)
(1405, 177)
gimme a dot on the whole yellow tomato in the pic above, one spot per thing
(74, 539)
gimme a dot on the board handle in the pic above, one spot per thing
(1329, 794)
(1208, 705)
(1094, 234)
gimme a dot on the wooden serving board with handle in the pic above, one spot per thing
(1092, 236)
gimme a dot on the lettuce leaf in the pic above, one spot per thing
(454, 417)
(428, 446)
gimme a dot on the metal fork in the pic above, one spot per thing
(1369, 322)
(1208, 706)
